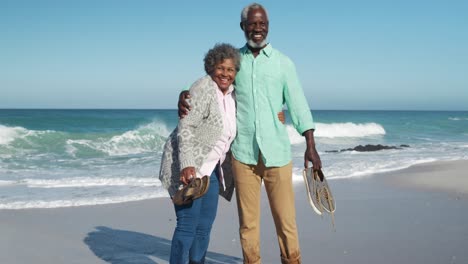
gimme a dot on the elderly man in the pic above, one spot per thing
(261, 151)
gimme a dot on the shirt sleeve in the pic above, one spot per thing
(295, 99)
(185, 88)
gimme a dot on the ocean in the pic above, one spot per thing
(62, 158)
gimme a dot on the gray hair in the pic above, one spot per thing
(252, 6)
(219, 53)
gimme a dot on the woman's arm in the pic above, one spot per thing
(186, 129)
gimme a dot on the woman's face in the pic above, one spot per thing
(224, 74)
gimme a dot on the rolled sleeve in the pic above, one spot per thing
(295, 99)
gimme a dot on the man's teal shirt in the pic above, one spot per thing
(263, 85)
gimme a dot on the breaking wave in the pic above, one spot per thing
(338, 130)
(143, 139)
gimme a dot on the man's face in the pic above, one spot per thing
(256, 28)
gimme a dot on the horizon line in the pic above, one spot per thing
(175, 109)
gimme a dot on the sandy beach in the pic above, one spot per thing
(416, 215)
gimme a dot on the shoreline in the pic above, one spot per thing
(450, 177)
(395, 177)
(383, 218)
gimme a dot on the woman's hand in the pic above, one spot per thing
(187, 174)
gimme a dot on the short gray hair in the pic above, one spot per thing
(246, 10)
(219, 53)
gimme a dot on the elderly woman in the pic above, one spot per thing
(199, 146)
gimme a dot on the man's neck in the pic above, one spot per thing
(255, 51)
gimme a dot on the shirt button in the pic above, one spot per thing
(254, 75)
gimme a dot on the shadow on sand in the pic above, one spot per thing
(128, 247)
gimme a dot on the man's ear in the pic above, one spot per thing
(242, 26)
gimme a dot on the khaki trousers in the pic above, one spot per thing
(278, 186)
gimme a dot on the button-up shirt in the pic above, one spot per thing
(217, 155)
(263, 85)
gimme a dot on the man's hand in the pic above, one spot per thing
(187, 174)
(281, 117)
(183, 106)
(311, 153)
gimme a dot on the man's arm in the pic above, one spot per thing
(300, 114)
(184, 107)
(311, 153)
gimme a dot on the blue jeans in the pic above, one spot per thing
(194, 221)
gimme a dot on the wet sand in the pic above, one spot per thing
(416, 215)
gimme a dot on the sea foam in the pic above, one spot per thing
(146, 138)
(4, 183)
(73, 159)
(337, 130)
(90, 182)
(143, 139)
(458, 118)
(9, 134)
(82, 201)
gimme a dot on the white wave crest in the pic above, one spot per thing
(91, 182)
(146, 138)
(9, 134)
(28, 137)
(294, 137)
(348, 130)
(335, 130)
(458, 118)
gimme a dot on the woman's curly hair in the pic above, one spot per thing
(218, 54)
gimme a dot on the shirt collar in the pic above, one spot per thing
(267, 50)
(230, 89)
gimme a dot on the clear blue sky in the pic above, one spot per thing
(140, 54)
